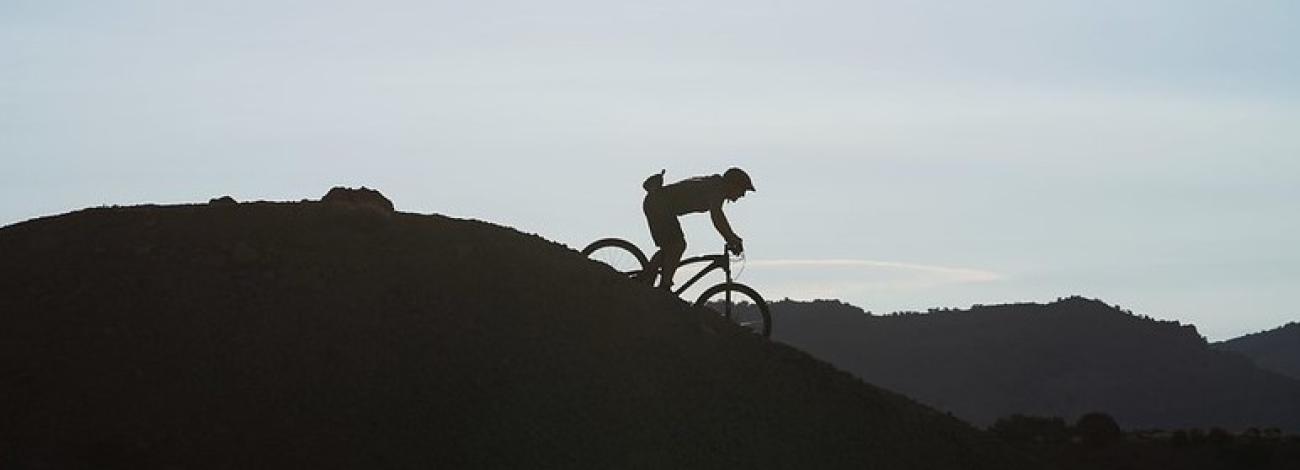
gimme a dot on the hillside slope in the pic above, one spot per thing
(1063, 359)
(313, 335)
(1277, 350)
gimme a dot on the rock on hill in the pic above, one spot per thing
(1277, 350)
(1063, 359)
(314, 335)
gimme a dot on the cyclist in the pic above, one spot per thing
(665, 203)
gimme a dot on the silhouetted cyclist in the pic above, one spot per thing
(664, 203)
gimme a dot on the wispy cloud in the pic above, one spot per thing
(868, 283)
(943, 274)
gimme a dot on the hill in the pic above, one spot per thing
(337, 335)
(1277, 350)
(1065, 358)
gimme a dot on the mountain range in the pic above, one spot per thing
(1064, 358)
(1277, 349)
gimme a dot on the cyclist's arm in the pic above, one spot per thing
(724, 227)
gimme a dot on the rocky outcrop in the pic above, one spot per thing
(363, 197)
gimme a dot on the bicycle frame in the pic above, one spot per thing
(715, 262)
(719, 297)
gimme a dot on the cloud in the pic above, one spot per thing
(865, 282)
(938, 274)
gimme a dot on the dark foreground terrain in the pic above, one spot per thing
(314, 335)
(1096, 442)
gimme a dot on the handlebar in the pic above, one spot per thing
(723, 258)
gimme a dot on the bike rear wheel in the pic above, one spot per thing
(619, 254)
(740, 304)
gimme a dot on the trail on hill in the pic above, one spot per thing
(332, 335)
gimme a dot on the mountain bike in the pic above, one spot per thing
(734, 301)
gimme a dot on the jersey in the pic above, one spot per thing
(663, 204)
(698, 194)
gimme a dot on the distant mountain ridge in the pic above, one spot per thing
(345, 335)
(1277, 349)
(1064, 358)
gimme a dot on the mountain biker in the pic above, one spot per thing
(665, 203)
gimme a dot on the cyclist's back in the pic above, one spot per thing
(691, 195)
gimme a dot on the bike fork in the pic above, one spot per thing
(727, 303)
(726, 293)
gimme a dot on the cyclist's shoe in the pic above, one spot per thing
(666, 286)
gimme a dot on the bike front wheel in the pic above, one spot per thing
(740, 304)
(619, 254)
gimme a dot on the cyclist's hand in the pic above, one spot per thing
(736, 246)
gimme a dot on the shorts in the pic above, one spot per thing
(665, 229)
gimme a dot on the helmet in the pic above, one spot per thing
(739, 176)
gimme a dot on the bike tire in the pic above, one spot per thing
(619, 254)
(756, 318)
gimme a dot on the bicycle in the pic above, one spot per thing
(751, 313)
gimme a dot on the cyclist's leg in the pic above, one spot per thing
(670, 254)
(660, 223)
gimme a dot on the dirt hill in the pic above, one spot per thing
(314, 335)
(1066, 358)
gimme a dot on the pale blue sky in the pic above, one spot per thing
(908, 154)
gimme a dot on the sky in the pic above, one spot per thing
(907, 155)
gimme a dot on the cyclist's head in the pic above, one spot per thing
(736, 183)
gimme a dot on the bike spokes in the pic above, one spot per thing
(739, 304)
(621, 260)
